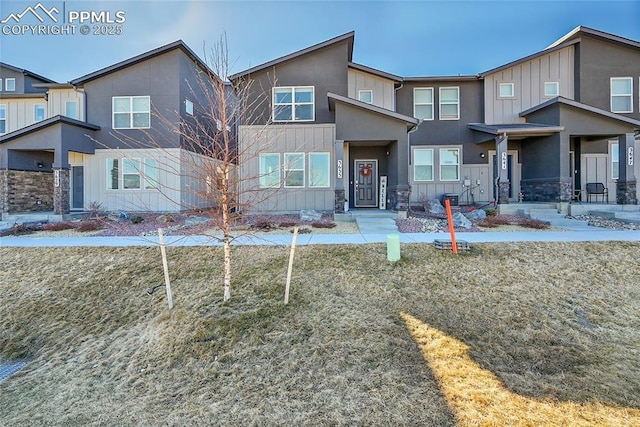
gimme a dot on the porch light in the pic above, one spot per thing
(482, 155)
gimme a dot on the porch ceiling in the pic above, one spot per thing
(516, 131)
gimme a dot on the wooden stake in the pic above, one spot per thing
(165, 267)
(454, 245)
(293, 250)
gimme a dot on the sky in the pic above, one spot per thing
(406, 38)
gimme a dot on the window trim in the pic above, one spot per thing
(630, 95)
(188, 107)
(544, 89)
(130, 112)
(35, 111)
(4, 119)
(440, 150)
(6, 84)
(432, 104)
(415, 163)
(262, 175)
(287, 169)
(328, 165)
(293, 104)
(361, 91)
(506, 84)
(441, 103)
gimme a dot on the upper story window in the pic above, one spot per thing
(621, 95)
(366, 96)
(188, 106)
(38, 113)
(3, 118)
(423, 103)
(10, 85)
(292, 104)
(551, 89)
(449, 103)
(506, 90)
(71, 109)
(131, 112)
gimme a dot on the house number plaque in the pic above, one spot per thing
(630, 156)
(339, 168)
(56, 178)
(504, 160)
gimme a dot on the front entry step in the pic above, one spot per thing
(376, 225)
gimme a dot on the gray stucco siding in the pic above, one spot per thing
(157, 78)
(325, 69)
(599, 61)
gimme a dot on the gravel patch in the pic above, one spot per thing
(596, 221)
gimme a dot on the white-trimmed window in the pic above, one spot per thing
(551, 89)
(506, 90)
(293, 104)
(621, 95)
(3, 118)
(293, 170)
(113, 174)
(188, 107)
(423, 164)
(319, 170)
(365, 95)
(269, 170)
(423, 103)
(131, 174)
(38, 112)
(449, 103)
(615, 161)
(1, 85)
(10, 85)
(150, 174)
(131, 112)
(71, 109)
(449, 164)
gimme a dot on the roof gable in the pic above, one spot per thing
(582, 30)
(344, 37)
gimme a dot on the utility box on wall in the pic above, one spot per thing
(453, 199)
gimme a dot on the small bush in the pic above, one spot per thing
(534, 223)
(95, 209)
(323, 224)
(136, 219)
(89, 226)
(57, 226)
(20, 229)
(495, 221)
(263, 224)
(287, 223)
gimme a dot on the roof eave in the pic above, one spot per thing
(332, 97)
(44, 124)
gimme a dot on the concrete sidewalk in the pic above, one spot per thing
(591, 235)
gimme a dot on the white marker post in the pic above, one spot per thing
(165, 267)
(293, 249)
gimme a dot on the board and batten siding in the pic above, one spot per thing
(383, 89)
(20, 112)
(426, 190)
(528, 78)
(197, 180)
(284, 139)
(56, 104)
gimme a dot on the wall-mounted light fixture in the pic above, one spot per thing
(482, 155)
(40, 165)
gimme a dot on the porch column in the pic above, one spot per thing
(341, 169)
(626, 185)
(502, 178)
(61, 204)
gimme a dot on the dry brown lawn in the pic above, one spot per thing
(554, 324)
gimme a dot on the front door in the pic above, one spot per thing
(77, 187)
(365, 183)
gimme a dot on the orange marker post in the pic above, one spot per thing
(454, 245)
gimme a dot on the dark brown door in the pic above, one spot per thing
(365, 184)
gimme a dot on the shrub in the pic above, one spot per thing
(534, 223)
(323, 224)
(287, 223)
(91, 225)
(495, 221)
(57, 226)
(95, 209)
(137, 219)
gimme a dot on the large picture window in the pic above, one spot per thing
(423, 103)
(293, 104)
(423, 164)
(293, 170)
(621, 95)
(449, 103)
(150, 174)
(319, 170)
(113, 174)
(131, 112)
(269, 170)
(449, 164)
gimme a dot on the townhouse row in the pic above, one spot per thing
(329, 134)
